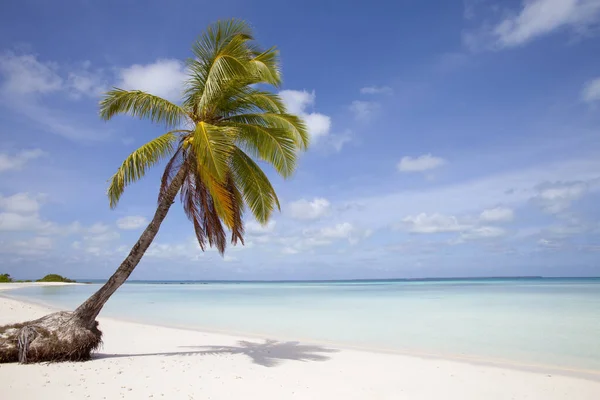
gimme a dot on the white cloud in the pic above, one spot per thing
(35, 246)
(339, 140)
(364, 110)
(18, 161)
(591, 91)
(21, 203)
(163, 78)
(431, 223)
(550, 244)
(422, 163)
(318, 124)
(537, 18)
(556, 197)
(467, 226)
(312, 238)
(376, 90)
(483, 232)
(132, 222)
(228, 258)
(497, 214)
(85, 81)
(10, 221)
(339, 231)
(512, 188)
(24, 83)
(20, 213)
(24, 75)
(328, 234)
(99, 233)
(313, 209)
(297, 102)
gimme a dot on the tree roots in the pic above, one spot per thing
(56, 337)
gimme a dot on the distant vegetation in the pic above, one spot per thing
(5, 278)
(55, 278)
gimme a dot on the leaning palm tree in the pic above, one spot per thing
(224, 124)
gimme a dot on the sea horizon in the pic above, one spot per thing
(421, 279)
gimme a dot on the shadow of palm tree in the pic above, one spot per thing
(268, 354)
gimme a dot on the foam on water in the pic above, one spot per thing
(540, 321)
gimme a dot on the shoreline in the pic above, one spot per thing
(423, 354)
(4, 287)
(141, 361)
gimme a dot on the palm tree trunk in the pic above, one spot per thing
(89, 310)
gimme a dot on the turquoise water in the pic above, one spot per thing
(553, 322)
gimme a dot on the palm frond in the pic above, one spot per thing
(266, 67)
(247, 100)
(142, 105)
(273, 145)
(173, 166)
(288, 122)
(212, 146)
(135, 165)
(255, 187)
(217, 36)
(222, 196)
(237, 229)
(199, 207)
(221, 55)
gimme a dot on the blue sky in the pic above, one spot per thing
(449, 138)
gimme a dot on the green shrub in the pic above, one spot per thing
(5, 278)
(55, 278)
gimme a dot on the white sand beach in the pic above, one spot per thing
(141, 362)
(16, 285)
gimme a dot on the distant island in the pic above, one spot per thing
(6, 278)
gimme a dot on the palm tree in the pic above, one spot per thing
(224, 124)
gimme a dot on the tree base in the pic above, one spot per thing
(56, 337)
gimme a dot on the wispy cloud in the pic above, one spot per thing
(431, 223)
(26, 83)
(421, 163)
(309, 209)
(497, 214)
(471, 197)
(557, 196)
(376, 90)
(534, 19)
(591, 91)
(18, 160)
(364, 110)
(132, 222)
(20, 213)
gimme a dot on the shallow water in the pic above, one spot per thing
(553, 322)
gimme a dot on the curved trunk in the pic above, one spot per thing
(89, 310)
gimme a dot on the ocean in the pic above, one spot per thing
(548, 322)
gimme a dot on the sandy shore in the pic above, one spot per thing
(141, 362)
(9, 286)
